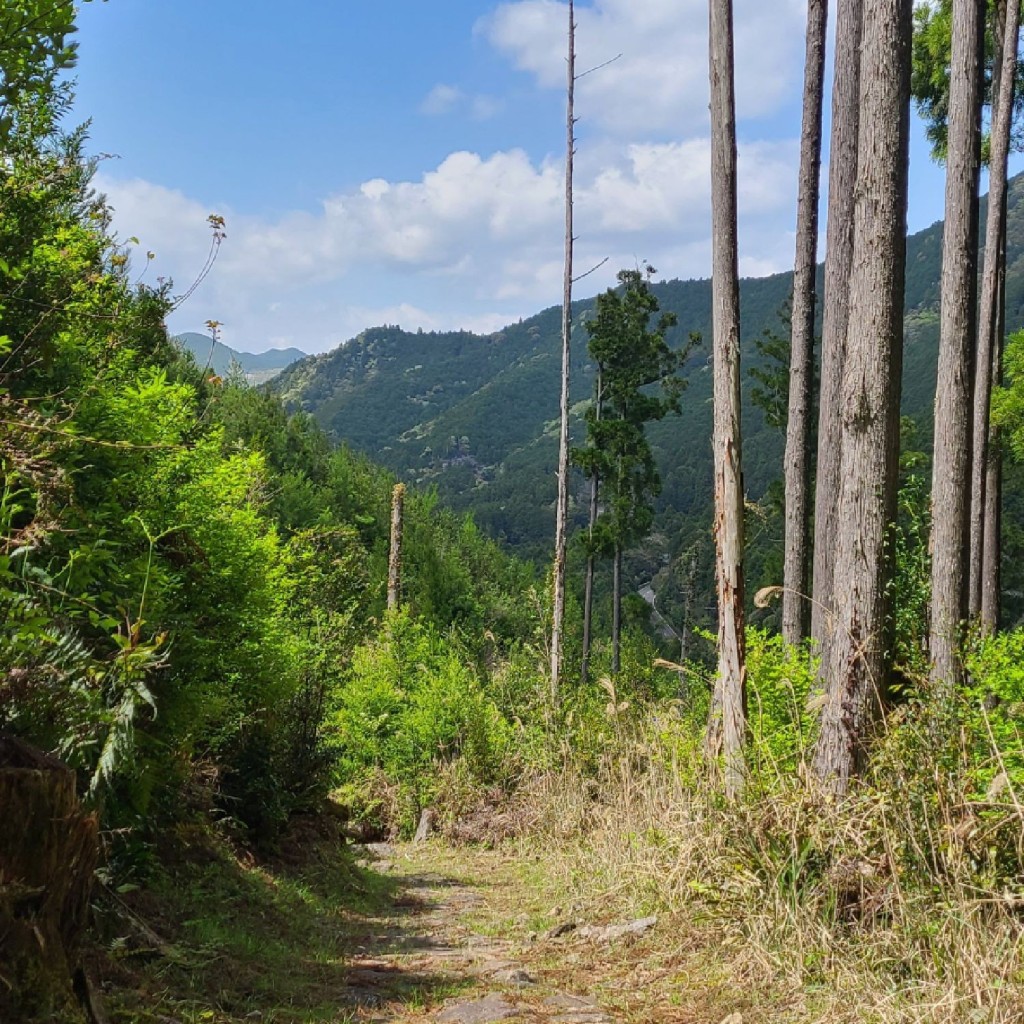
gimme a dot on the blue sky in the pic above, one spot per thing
(402, 162)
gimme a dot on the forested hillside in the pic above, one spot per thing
(289, 730)
(476, 416)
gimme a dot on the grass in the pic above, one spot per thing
(289, 940)
(885, 908)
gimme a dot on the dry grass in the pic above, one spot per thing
(888, 907)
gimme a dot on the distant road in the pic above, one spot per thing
(665, 630)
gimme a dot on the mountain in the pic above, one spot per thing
(258, 367)
(476, 416)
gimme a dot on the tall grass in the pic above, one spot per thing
(902, 902)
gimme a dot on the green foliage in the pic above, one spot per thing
(770, 392)
(185, 568)
(932, 51)
(994, 710)
(630, 358)
(780, 680)
(911, 579)
(410, 704)
(34, 51)
(1008, 398)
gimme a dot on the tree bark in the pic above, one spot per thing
(588, 587)
(616, 608)
(801, 375)
(951, 466)
(395, 555)
(562, 504)
(838, 268)
(48, 855)
(727, 726)
(990, 312)
(991, 565)
(857, 652)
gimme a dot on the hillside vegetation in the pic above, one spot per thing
(226, 659)
(476, 416)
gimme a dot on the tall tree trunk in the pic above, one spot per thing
(993, 274)
(395, 556)
(562, 505)
(588, 589)
(991, 556)
(951, 466)
(856, 666)
(991, 564)
(801, 375)
(838, 268)
(616, 608)
(727, 726)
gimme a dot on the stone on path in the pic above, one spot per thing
(617, 931)
(576, 1010)
(491, 1008)
(514, 976)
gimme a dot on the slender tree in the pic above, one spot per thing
(838, 268)
(588, 585)
(727, 723)
(801, 378)
(630, 358)
(991, 560)
(991, 315)
(856, 653)
(562, 504)
(951, 466)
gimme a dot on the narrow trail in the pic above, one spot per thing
(465, 935)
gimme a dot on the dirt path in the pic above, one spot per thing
(399, 934)
(471, 932)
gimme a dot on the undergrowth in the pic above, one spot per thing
(901, 902)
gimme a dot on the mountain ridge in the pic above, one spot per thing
(475, 415)
(259, 367)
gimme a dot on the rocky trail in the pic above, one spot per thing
(329, 933)
(471, 937)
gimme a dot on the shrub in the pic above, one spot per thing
(409, 704)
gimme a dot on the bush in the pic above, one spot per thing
(410, 704)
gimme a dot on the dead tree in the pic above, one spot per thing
(562, 504)
(395, 556)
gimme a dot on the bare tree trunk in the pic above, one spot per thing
(991, 565)
(395, 556)
(994, 272)
(838, 268)
(991, 556)
(588, 590)
(856, 664)
(616, 608)
(801, 374)
(951, 467)
(562, 507)
(727, 726)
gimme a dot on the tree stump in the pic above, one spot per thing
(48, 855)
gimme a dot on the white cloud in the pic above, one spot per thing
(475, 243)
(448, 99)
(441, 99)
(659, 85)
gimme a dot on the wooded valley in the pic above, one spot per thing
(257, 634)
